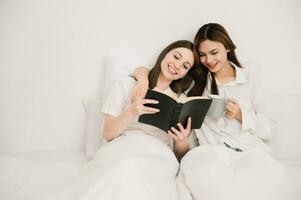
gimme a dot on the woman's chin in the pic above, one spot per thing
(213, 69)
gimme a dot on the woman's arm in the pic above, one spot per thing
(114, 126)
(181, 145)
(255, 116)
(141, 75)
(251, 113)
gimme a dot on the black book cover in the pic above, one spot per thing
(172, 112)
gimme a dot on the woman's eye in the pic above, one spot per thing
(213, 53)
(186, 67)
(176, 57)
(202, 55)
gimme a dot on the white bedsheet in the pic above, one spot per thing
(215, 172)
(30, 177)
(133, 166)
(147, 169)
(36, 175)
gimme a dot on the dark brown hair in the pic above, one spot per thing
(180, 85)
(214, 32)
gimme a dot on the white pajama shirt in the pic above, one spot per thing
(255, 125)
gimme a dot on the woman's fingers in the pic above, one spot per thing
(149, 101)
(233, 101)
(233, 110)
(231, 105)
(175, 131)
(180, 127)
(172, 135)
(229, 115)
(188, 126)
(149, 110)
(142, 109)
(180, 135)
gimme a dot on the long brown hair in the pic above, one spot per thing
(214, 32)
(180, 85)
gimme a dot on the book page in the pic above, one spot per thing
(179, 99)
(183, 98)
(167, 92)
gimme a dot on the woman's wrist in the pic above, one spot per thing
(182, 144)
(143, 82)
(181, 148)
(132, 112)
(141, 74)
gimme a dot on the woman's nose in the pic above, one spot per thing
(177, 65)
(208, 59)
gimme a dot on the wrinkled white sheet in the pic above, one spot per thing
(133, 166)
(215, 172)
(24, 177)
(43, 175)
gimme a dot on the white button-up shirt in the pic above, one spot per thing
(254, 127)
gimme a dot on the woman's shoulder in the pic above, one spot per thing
(243, 74)
(120, 88)
(252, 71)
(125, 83)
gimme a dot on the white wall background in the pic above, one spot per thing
(51, 55)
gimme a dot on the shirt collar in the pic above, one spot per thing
(239, 73)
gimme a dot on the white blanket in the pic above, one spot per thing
(27, 178)
(214, 172)
(133, 166)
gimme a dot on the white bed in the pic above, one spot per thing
(32, 175)
(50, 63)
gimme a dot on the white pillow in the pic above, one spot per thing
(94, 125)
(118, 66)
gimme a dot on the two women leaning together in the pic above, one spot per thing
(230, 160)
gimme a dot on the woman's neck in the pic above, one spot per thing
(225, 74)
(162, 82)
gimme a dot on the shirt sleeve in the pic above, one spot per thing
(254, 114)
(114, 99)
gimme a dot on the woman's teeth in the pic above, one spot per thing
(171, 69)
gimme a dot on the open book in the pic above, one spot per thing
(172, 112)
